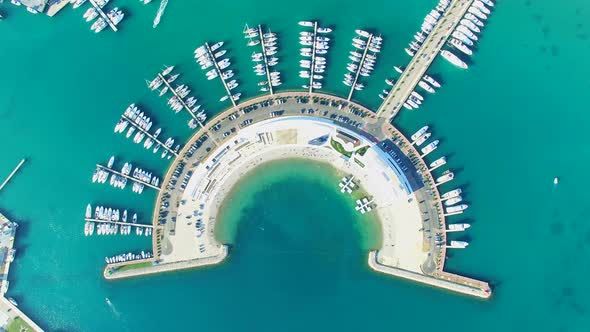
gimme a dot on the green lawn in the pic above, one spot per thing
(362, 150)
(338, 147)
(18, 325)
(359, 163)
(134, 266)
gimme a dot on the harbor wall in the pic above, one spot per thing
(465, 286)
(167, 267)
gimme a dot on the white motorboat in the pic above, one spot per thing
(452, 58)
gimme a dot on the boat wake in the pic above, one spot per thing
(112, 307)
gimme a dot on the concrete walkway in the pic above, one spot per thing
(423, 59)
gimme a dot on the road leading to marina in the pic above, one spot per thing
(423, 58)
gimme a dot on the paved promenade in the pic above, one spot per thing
(423, 59)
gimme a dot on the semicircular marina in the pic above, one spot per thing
(348, 136)
(359, 142)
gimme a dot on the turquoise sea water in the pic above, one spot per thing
(509, 125)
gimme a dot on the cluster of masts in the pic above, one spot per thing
(140, 123)
(119, 179)
(314, 48)
(265, 58)
(111, 221)
(180, 96)
(208, 57)
(113, 17)
(466, 32)
(128, 257)
(363, 57)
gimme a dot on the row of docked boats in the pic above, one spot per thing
(451, 198)
(266, 58)
(140, 124)
(466, 33)
(180, 96)
(415, 99)
(108, 214)
(128, 257)
(110, 221)
(210, 58)
(430, 20)
(314, 49)
(140, 176)
(363, 57)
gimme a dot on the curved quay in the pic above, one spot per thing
(420, 260)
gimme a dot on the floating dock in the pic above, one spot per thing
(265, 59)
(360, 66)
(313, 50)
(11, 175)
(103, 15)
(347, 185)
